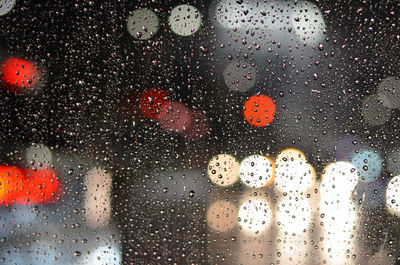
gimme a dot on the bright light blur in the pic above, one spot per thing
(185, 20)
(254, 216)
(143, 24)
(240, 76)
(339, 223)
(289, 154)
(374, 112)
(257, 171)
(393, 196)
(223, 170)
(97, 197)
(389, 92)
(39, 155)
(222, 216)
(308, 22)
(368, 164)
(338, 182)
(293, 215)
(294, 176)
(6, 6)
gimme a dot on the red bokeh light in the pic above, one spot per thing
(153, 102)
(11, 182)
(41, 186)
(28, 186)
(259, 110)
(18, 74)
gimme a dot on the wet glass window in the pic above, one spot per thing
(199, 132)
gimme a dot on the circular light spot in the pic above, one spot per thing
(308, 22)
(254, 216)
(338, 181)
(393, 196)
(374, 112)
(240, 76)
(222, 216)
(230, 14)
(6, 6)
(293, 215)
(18, 74)
(368, 164)
(290, 154)
(294, 176)
(259, 110)
(39, 155)
(223, 170)
(142, 24)
(389, 92)
(177, 118)
(153, 102)
(257, 171)
(185, 20)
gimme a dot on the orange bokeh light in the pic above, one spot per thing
(28, 186)
(259, 110)
(18, 74)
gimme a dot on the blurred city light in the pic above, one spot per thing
(259, 110)
(293, 215)
(308, 22)
(389, 92)
(143, 24)
(39, 155)
(11, 183)
(368, 164)
(19, 75)
(254, 216)
(222, 216)
(97, 204)
(257, 171)
(290, 154)
(393, 196)
(153, 102)
(178, 118)
(373, 110)
(223, 170)
(338, 182)
(6, 6)
(240, 76)
(185, 20)
(40, 187)
(294, 176)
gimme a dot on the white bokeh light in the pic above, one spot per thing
(308, 22)
(240, 76)
(39, 155)
(143, 24)
(257, 171)
(185, 20)
(290, 154)
(338, 182)
(254, 216)
(393, 196)
(6, 6)
(293, 215)
(294, 176)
